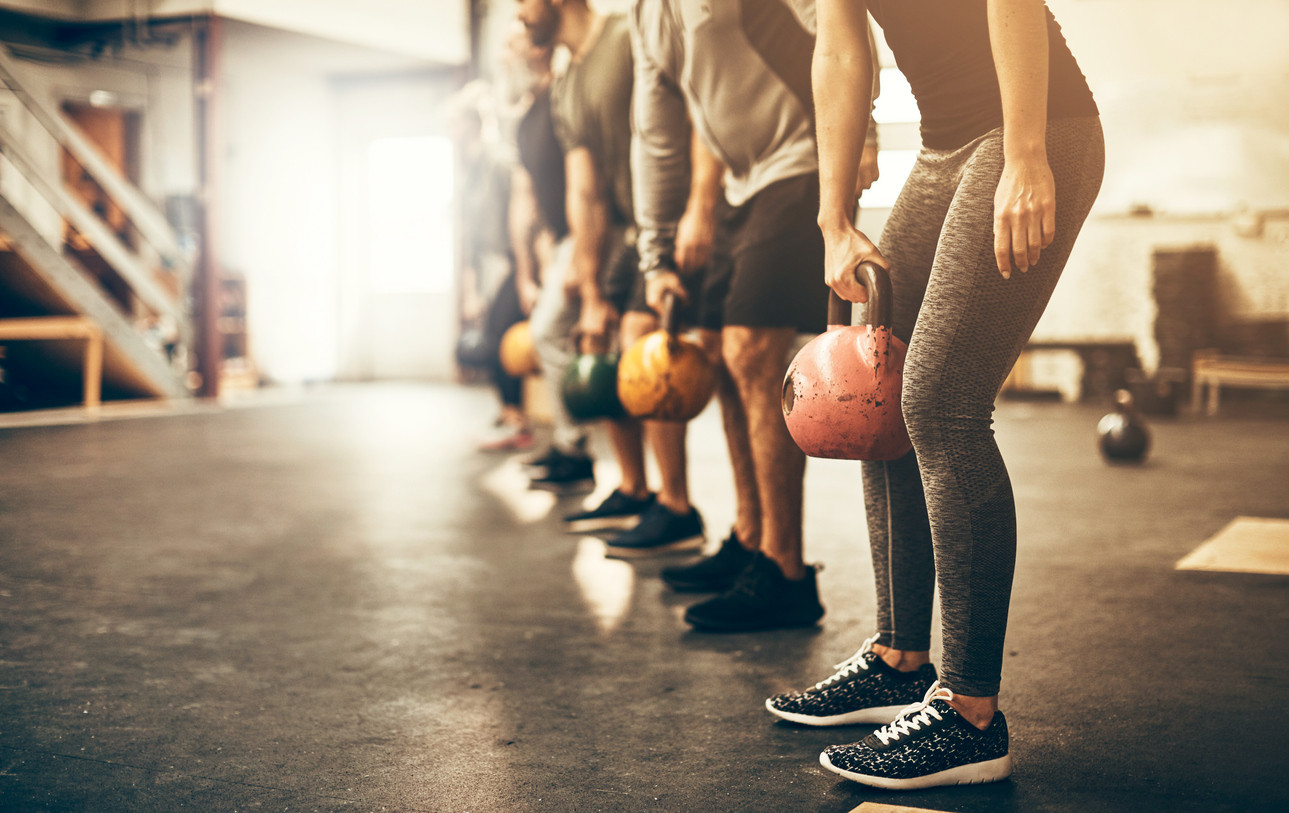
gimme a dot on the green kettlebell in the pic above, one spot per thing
(590, 387)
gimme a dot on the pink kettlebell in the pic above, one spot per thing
(841, 395)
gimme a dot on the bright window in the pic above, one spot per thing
(410, 198)
(897, 117)
(895, 102)
(894, 167)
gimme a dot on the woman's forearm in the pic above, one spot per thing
(842, 76)
(1025, 202)
(1018, 37)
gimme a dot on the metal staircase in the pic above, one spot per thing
(145, 333)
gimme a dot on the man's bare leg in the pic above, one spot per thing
(747, 507)
(757, 360)
(666, 438)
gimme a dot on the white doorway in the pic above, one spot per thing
(398, 294)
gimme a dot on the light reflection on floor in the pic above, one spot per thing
(509, 484)
(606, 584)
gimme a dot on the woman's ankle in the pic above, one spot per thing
(902, 660)
(979, 711)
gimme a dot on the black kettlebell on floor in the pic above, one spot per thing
(590, 387)
(1124, 436)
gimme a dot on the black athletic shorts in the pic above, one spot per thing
(618, 278)
(706, 288)
(623, 287)
(767, 267)
(776, 258)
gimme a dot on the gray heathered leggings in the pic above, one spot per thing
(946, 510)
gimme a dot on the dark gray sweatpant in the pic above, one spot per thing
(944, 513)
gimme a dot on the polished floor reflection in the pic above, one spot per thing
(335, 603)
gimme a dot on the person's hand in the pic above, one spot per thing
(695, 235)
(596, 319)
(868, 171)
(659, 284)
(844, 249)
(1024, 214)
(572, 286)
(528, 292)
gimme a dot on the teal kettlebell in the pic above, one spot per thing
(590, 387)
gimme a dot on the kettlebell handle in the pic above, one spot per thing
(877, 281)
(670, 316)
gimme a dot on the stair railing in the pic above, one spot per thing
(148, 221)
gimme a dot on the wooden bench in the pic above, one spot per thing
(1213, 370)
(1104, 363)
(47, 328)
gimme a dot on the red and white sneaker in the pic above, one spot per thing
(509, 439)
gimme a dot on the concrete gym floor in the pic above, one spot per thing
(335, 603)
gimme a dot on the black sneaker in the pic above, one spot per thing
(715, 573)
(542, 459)
(566, 474)
(617, 511)
(863, 690)
(762, 598)
(659, 531)
(552, 454)
(929, 744)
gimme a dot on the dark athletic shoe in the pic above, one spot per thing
(552, 453)
(542, 459)
(618, 511)
(711, 574)
(566, 474)
(929, 744)
(863, 690)
(762, 598)
(659, 531)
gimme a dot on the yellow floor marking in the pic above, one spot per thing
(1246, 545)
(874, 807)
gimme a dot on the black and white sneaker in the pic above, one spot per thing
(714, 573)
(659, 531)
(618, 511)
(929, 744)
(863, 690)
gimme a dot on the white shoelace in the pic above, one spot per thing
(851, 666)
(912, 718)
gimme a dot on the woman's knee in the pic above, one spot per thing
(933, 410)
(918, 407)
